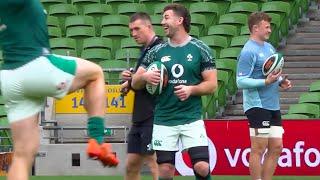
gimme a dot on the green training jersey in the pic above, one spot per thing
(184, 64)
(23, 32)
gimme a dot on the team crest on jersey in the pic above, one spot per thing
(189, 57)
(165, 58)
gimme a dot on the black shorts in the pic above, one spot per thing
(263, 118)
(139, 140)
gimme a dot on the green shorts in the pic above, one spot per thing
(25, 89)
(166, 138)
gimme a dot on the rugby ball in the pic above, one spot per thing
(157, 89)
(272, 63)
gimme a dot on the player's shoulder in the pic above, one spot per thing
(158, 46)
(200, 45)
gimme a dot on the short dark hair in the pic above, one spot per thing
(256, 17)
(140, 15)
(181, 11)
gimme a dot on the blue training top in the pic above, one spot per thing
(251, 79)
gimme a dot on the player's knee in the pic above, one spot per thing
(275, 150)
(132, 166)
(202, 168)
(166, 171)
(200, 160)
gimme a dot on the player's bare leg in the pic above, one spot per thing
(258, 146)
(271, 158)
(166, 171)
(153, 165)
(90, 77)
(25, 135)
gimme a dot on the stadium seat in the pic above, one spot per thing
(156, 19)
(116, 33)
(47, 3)
(244, 30)
(80, 32)
(158, 8)
(209, 106)
(229, 65)
(308, 109)
(130, 8)
(53, 21)
(280, 25)
(194, 31)
(97, 43)
(96, 54)
(97, 10)
(1, 56)
(279, 7)
(130, 55)
(243, 7)
(112, 70)
(151, 3)
(199, 20)
(116, 3)
(315, 87)
(223, 5)
(209, 9)
(215, 42)
(294, 116)
(310, 97)
(111, 20)
(232, 52)
(129, 43)
(73, 21)
(237, 19)
(159, 31)
(239, 41)
(63, 46)
(62, 11)
(54, 32)
(221, 93)
(224, 30)
(81, 3)
(186, 3)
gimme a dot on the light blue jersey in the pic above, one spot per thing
(251, 79)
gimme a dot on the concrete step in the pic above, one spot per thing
(308, 76)
(306, 35)
(302, 58)
(309, 64)
(302, 46)
(309, 29)
(301, 70)
(313, 23)
(299, 82)
(289, 52)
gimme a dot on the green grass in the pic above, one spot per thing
(176, 178)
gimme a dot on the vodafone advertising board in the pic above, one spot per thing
(229, 148)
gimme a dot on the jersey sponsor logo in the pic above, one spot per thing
(189, 57)
(165, 58)
(177, 71)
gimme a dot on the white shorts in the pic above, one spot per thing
(24, 89)
(166, 138)
(272, 132)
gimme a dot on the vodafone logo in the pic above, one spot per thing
(185, 170)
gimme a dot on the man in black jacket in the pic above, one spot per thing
(140, 135)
